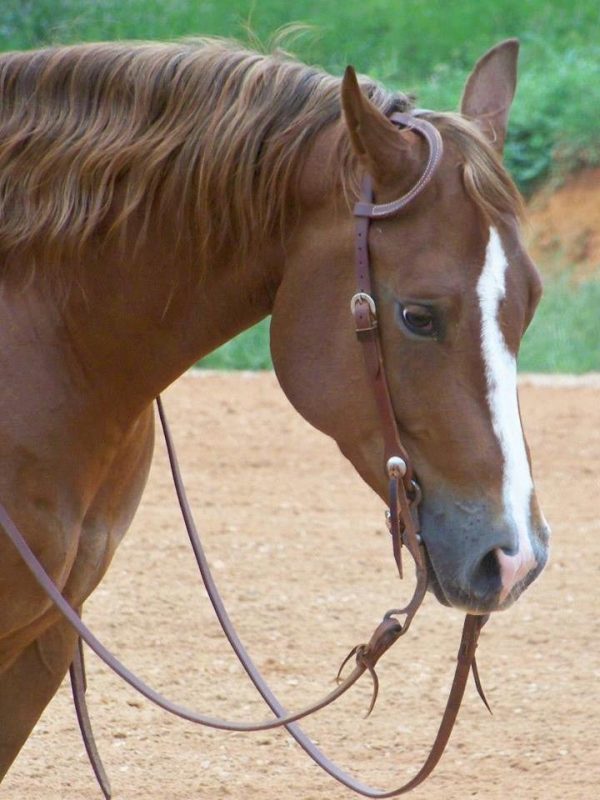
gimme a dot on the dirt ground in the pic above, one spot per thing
(563, 226)
(298, 546)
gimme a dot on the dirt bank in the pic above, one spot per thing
(564, 225)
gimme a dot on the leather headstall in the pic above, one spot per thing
(404, 490)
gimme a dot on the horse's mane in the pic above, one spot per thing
(212, 134)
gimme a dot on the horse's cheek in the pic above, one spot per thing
(316, 357)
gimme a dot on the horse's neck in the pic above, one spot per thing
(148, 318)
(138, 327)
(138, 317)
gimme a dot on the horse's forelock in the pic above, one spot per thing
(486, 180)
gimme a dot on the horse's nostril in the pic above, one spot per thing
(486, 575)
(489, 565)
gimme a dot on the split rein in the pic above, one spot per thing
(404, 496)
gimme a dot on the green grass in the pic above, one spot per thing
(565, 333)
(422, 46)
(249, 350)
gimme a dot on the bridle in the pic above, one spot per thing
(404, 496)
(404, 492)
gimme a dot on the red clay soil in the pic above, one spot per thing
(564, 226)
(298, 545)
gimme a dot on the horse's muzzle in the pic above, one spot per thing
(477, 561)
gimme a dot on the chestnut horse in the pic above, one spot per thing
(158, 199)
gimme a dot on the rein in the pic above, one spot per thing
(404, 494)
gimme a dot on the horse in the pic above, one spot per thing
(157, 199)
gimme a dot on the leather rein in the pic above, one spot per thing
(404, 496)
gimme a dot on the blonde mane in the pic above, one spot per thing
(206, 132)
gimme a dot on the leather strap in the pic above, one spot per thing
(367, 655)
(433, 138)
(465, 661)
(364, 310)
(79, 687)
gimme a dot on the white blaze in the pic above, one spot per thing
(501, 375)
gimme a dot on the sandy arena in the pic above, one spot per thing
(299, 547)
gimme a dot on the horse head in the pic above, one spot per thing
(455, 293)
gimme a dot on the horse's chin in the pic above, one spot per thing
(434, 585)
(462, 604)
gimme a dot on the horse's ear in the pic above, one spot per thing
(375, 140)
(490, 89)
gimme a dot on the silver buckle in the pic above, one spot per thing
(363, 297)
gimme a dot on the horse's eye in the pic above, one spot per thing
(418, 320)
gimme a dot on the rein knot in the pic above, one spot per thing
(384, 636)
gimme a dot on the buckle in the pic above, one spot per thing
(363, 297)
